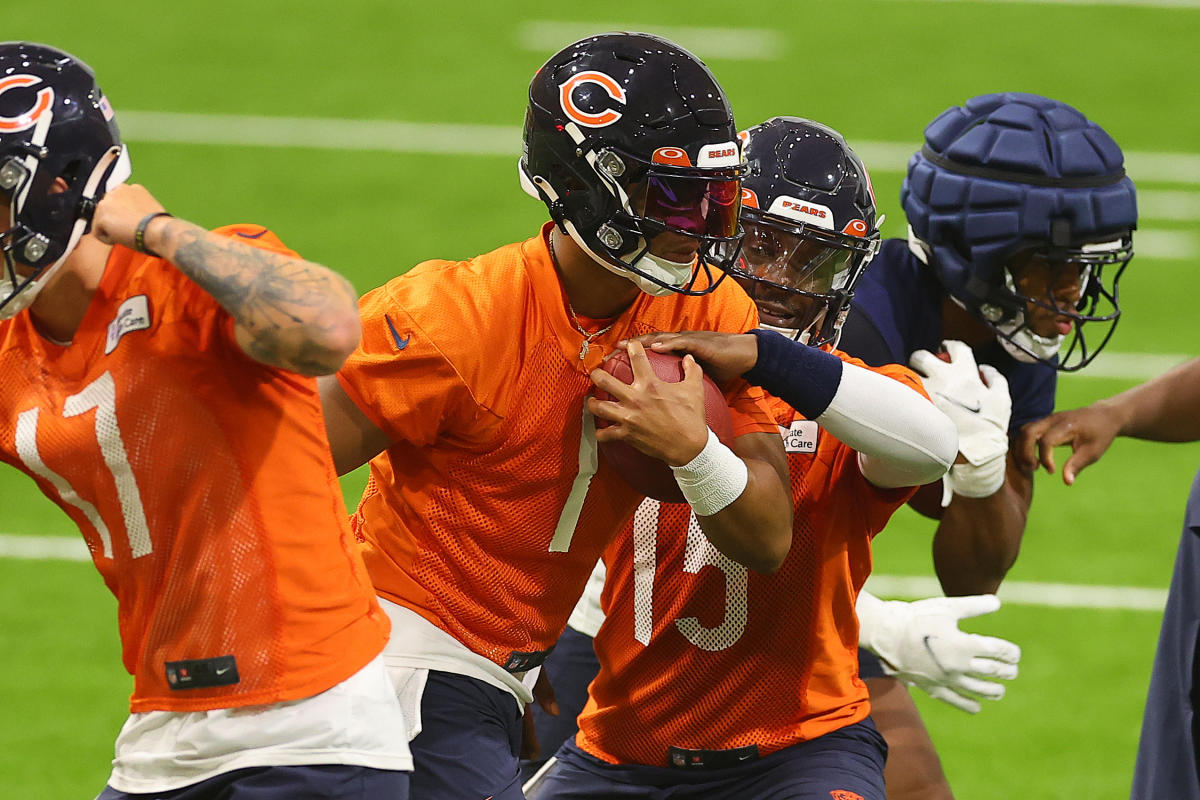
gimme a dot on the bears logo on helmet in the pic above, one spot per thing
(592, 120)
(25, 119)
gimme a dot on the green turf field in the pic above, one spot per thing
(357, 200)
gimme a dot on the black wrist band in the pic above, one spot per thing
(139, 233)
(804, 377)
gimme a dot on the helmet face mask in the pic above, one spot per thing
(60, 150)
(1053, 293)
(631, 144)
(810, 228)
(1011, 196)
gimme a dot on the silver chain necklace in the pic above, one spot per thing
(587, 337)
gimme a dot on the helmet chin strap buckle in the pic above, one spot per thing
(611, 163)
(11, 174)
(35, 248)
(610, 237)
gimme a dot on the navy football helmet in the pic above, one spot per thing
(1022, 208)
(631, 144)
(809, 215)
(54, 123)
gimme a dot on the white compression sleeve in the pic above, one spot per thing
(901, 438)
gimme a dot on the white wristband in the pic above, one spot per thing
(971, 480)
(713, 479)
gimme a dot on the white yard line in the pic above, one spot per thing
(44, 548)
(1129, 366)
(1056, 595)
(1028, 593)
(1155, 243)
(1174, 168)
(320, 134)
(742, 44)
(488, 140)
(1163, 204)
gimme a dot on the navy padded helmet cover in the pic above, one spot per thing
(997, 172)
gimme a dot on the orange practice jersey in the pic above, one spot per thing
(203, 485)
(698, 653)
(484, 515)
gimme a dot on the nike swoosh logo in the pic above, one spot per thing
(400, 343)
(933, 655)
(973, 409)
(222, 671)
(258, 235)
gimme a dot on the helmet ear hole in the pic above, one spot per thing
(58, 208)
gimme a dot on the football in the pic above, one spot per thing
(648, 475)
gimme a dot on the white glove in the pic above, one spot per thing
(920, 644)
(976, 398)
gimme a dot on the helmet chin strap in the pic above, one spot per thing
(795, 334)
(671, 272)
(23, 295)
(674, 273)
(1024, 345)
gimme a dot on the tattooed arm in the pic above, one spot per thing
(288, 312)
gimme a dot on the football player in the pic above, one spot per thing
(902, 631)
(1166, 409)
(486, 506)
(157, 387)
(723, 684)
(1020, 222)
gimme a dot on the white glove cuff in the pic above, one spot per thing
(974, 480)
(877, 631)
(713, 479)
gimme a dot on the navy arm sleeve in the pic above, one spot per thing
(803, 377)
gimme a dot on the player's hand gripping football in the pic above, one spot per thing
(921, 645)
(663, 420)
(724, 356)
(1088, 430)
(119, 212)
(976, 398)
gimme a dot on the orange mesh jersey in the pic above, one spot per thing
(698, 653)
(203, 485)
(484, 515)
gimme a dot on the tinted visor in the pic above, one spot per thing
(696, 205)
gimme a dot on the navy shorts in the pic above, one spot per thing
(469, 743)
(315, 782)
(570, 668)
(846, 764)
